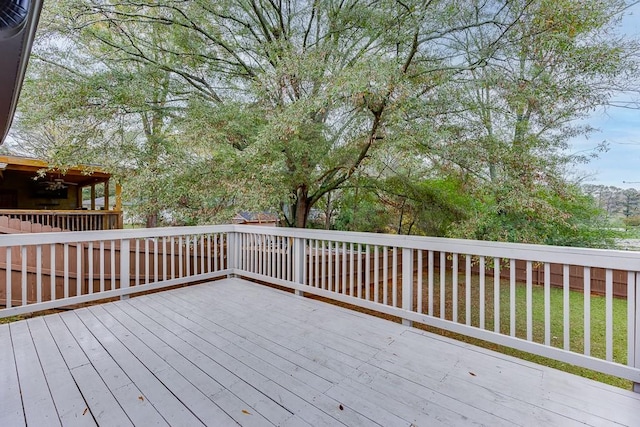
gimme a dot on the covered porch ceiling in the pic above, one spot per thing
(83, 175)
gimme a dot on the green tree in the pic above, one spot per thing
(518, 111)
(329, 78)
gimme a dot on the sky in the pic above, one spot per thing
(619, 166)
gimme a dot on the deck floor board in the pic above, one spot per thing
(232, 352)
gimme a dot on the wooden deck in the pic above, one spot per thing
(235, 352)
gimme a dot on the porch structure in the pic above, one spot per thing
(34, 194)
(232, 351)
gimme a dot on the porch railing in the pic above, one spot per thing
(65, 220)
(485, 290)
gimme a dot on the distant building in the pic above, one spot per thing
(256, 218)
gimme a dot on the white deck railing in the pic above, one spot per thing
(40, 271)
(580, 306)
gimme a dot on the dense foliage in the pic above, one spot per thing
(440, 117)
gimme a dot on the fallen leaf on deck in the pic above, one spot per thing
(244, 411)
(341, 407)
(141, 398)
(85, 411)
(472, 374)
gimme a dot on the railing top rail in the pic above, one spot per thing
(602, 258)
(90, 236)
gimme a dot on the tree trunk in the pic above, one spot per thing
(152, 220)
(302, 212)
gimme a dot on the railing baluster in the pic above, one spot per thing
(529, 301)
(209, 253)
(367, 273)
(254, 253)
(9, 273)
(279, 257)
(156, 261)
(287, 242)
(187, 248)
(113, 264)
(587, 311)
(23, 251)
(443, 284)
(566, 314)
(351, 269)
(496, 295)
(430, 284)
(385, 275)
(512, 297)
(164, 258)
(125, 260)
(376, 274)
(547, 303)
(180, 257)
(52, 269)
(66, 270)
(482, 293)
(79, 276)
(635, 329)
(223, 240)
(324, 265)
(249, 238)
(147, 263)
(419, 301)
(407, 282)
(467, 294)
(344, 268)
(172, 254)
(632, 327)
(275, 269)
(359, 280)
(609, 314)
(454, 286)
(314, 273)
(137, 261)
(90, 267)
(330, 265)
(260, 252)
(38, 273)
(215, 252)
(202, 249)
(394, 278)
(101, 262)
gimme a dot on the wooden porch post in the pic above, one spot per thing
(93, 197)
(119, 205)
(118, 197)
(79, 197)
(106, 196)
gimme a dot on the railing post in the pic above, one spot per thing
(407, 282)
(125, 254)
(299, 259)
(232, 253)
(636, 332)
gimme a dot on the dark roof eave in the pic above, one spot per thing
(15, 47)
